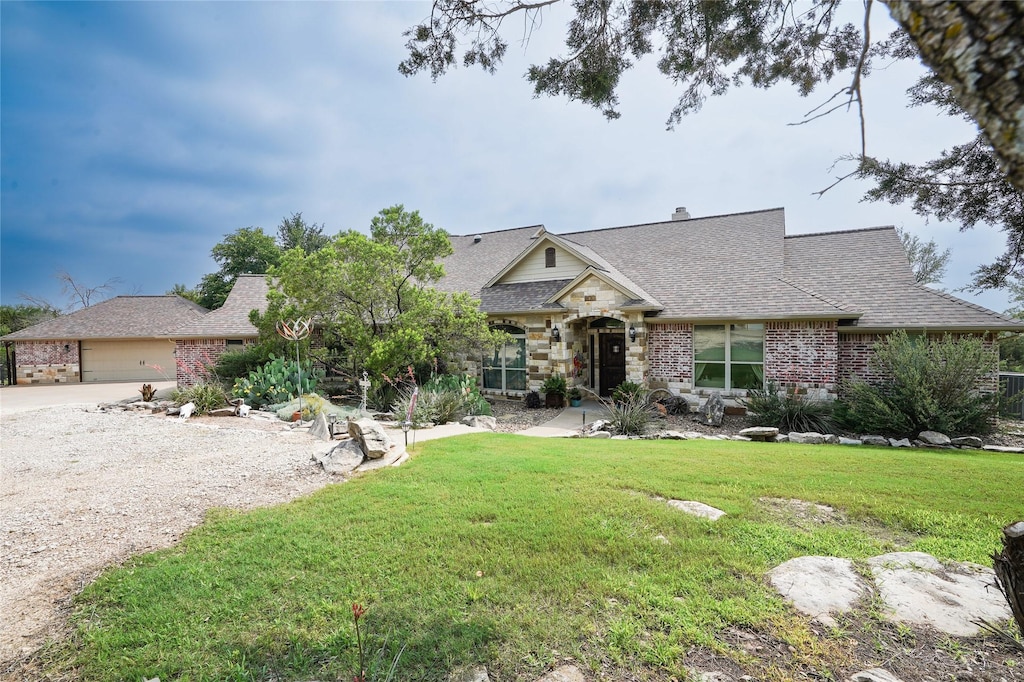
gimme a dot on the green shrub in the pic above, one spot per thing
(629, 391)
(276, 382)
(443, 399)
(533, 400)
(207, 397)
(555, 385)
(787, 411)
(929, 384)
(631, 415)
(235, 364)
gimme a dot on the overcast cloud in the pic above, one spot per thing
(136, 135)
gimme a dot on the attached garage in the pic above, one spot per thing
(127, 360)
(120, 339)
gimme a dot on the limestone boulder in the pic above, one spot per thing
(481, 421)
(875, 440)
(806, 438)
(700, 509)
(967, 442)
(371, 436)
(341, 459)
(320, 428)
(933, 438)
(819, 586)
(760, 432)
(900, 443)
(712, 411)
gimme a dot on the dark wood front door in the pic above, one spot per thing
(612, 361)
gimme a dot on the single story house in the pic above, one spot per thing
(723, 303)
(120, 339)
(200, 342)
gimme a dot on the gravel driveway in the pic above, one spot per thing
(82, 489)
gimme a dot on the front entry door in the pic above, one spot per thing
(612, 361)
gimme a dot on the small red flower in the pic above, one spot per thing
(357, 611)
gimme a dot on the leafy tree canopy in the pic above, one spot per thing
(928, 264)
(372, 295)
(294, 232)
(15, 317)
(976, 51)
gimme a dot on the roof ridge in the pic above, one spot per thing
(960, 301)
(824, 234)
(507, 229)
(664, 222)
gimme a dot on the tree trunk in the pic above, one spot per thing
(1009, 568)
(978, 49)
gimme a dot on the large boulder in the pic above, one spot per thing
(712, 411)
(819, 586)
(875, 440)
(341, 459)
(320, 428)
(481, 421)
(933, 438)
(371, 437)
(808, 438)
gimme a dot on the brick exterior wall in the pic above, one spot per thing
(855, 351)
(670, 351)
(46, 362)
(802, 356)
(192, 355)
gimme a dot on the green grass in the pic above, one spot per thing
(565, 535)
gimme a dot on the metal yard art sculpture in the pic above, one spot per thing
(296, 330)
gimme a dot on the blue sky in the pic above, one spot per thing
(134, 136)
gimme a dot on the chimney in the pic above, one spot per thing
(681, 214)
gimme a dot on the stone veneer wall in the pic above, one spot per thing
(802, 356)
(855, 351)
(46, 362)
(192, 355)
(670, 349)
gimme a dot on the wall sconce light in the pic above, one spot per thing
(556, 335)
(67, 347)
(632, 333)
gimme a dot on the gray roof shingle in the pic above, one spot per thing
(737, 266)
(121, 317)
(232, 319)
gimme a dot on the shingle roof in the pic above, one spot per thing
(869, 269)
(122, 317)
(232, 319)
(737, 266)
(511, 297)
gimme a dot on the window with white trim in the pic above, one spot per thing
(728, 356)
(505, 369)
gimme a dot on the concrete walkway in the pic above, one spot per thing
(570, 419)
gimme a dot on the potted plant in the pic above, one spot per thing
(575, 396)
(555, 389)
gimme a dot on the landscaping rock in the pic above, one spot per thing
(393, 457)
(760, 432)
(599, 434)
(672, 435)
(819, 586)
(933, 438)
(874, 675)
(186, 411)
(481, 421)
(320, 428)
(967, 442)
(901, 443)
(341, 459)
(712, 411)
(1002, 448)
(830, 438)
(371, 437)
(809, 438)
(875, 440)
(781, 438)
(850, 441)
(697, 509)
(917, 589)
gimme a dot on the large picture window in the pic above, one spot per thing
(505, 370)
(728, 356)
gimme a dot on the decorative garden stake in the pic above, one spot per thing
(364, 385)
(295, 331)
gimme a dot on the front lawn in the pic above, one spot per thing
(520, 553)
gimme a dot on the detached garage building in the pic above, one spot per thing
(121, 339)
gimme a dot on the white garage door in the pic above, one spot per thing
(127, 360)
